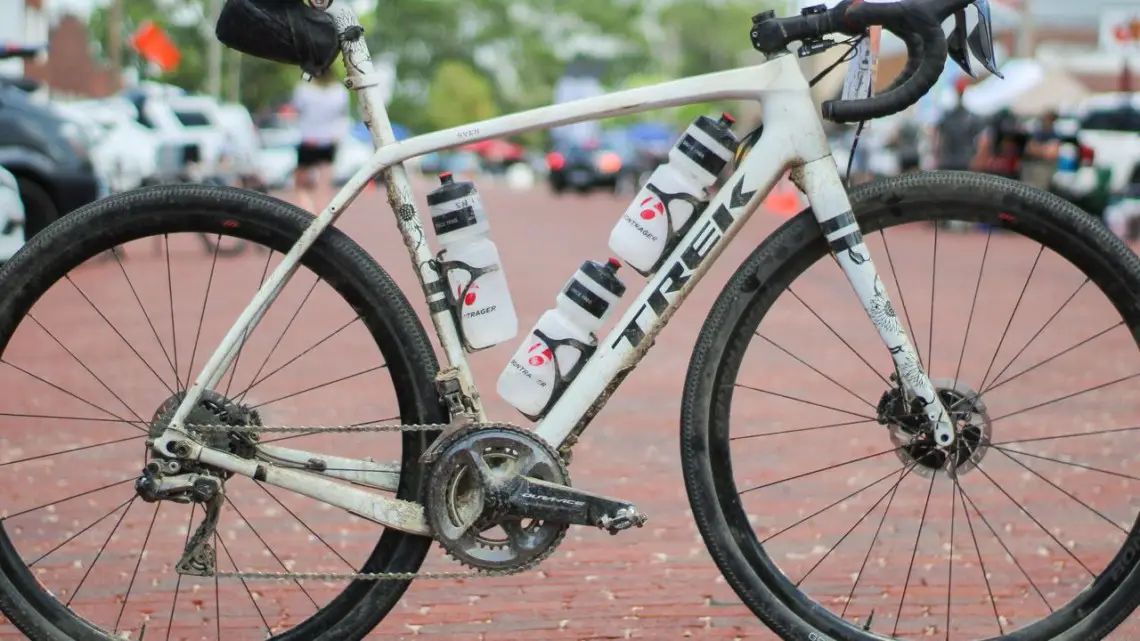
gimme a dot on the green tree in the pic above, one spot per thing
(459, 94)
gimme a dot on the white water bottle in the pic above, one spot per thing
(562, 340)
(673, 193)
(471, 265)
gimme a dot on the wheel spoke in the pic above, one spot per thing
(1069, 435)
(994, 384)
(69, 451)
(930, 329)
(902, 299)
(822, 469)
(99, 554)
(804, 401)
(258, 381)
(245, 337)
(272, 553)
(305, 525)
(69, 498)
(76, 397)
(890, 491)
(80, 532)
(178, 583)
(113, 329)
(281, 337)
(1012, 556)
(1066, 397)
(970, 319)
(1036, 522)
(1041, 331)
(836, 334)
(950, 557)
(135, 574)
(219, 541)
(1009, 323)
(205, 304)
(831, 505)
(1069, 463)
(1063, 491)
(914, 552)
(981, 562)
(322, 385)
(173, 332)
(149, 321)
(803, 429)
(812, 368)
(878, 530)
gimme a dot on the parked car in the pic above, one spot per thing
(49, 157)
(11, 216)
(613, 162)
(1110, 125)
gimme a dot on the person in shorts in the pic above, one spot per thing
(322, 120)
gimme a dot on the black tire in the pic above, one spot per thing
(746, 299)
(39, 209)
(335, 258)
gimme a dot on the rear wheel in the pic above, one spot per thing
(816, 489)
(94, 348)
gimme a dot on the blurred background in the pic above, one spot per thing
(143, 91)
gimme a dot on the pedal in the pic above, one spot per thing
(532, 498)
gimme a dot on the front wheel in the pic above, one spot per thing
(814, 481)
(94, 351)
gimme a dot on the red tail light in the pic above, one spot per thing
(555, 161)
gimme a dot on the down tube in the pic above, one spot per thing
(620, 351)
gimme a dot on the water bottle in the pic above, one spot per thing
(674, 193)
(562, 340)
(469, 261)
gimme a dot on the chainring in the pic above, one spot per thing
(460, 513)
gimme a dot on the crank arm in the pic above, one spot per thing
(382, 476)
(389, 512)
(533, 498)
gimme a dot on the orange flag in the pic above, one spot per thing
(155, 46)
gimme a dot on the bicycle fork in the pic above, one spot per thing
(820, 180)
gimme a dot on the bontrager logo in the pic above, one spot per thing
(677, 274)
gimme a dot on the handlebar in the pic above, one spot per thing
(918, 23)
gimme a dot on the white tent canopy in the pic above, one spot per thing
(1029, 88)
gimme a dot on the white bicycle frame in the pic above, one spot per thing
(793, 138)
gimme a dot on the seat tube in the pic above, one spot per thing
(832, 209)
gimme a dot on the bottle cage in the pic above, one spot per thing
(454, 302)
(672, 234)
(560, 382)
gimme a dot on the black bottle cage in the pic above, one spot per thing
(561, 383)
(671, 234)
(443, 267)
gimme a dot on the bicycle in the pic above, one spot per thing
(461, 477)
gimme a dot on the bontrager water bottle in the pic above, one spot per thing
(562, 340)
(673, 193)
(469, 261)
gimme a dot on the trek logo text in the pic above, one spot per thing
(679, 273)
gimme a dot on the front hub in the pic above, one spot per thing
(913, 434)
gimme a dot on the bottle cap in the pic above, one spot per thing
(727, 119)
(449, 190)
(604, 275)
(719, 131)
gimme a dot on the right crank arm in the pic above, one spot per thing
(533, 498)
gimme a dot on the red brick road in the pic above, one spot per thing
(653, 583)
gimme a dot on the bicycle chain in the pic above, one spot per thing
(355, 576)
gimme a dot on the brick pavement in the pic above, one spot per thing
(654, 583)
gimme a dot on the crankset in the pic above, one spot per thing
(499, 498)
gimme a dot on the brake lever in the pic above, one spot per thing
(956, 44)
(982, 50)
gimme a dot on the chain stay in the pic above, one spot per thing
(349, 576)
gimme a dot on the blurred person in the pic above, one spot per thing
(956, 134)
(1001, 146)
(322, 107)
(905, 144)
(1039, 162)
